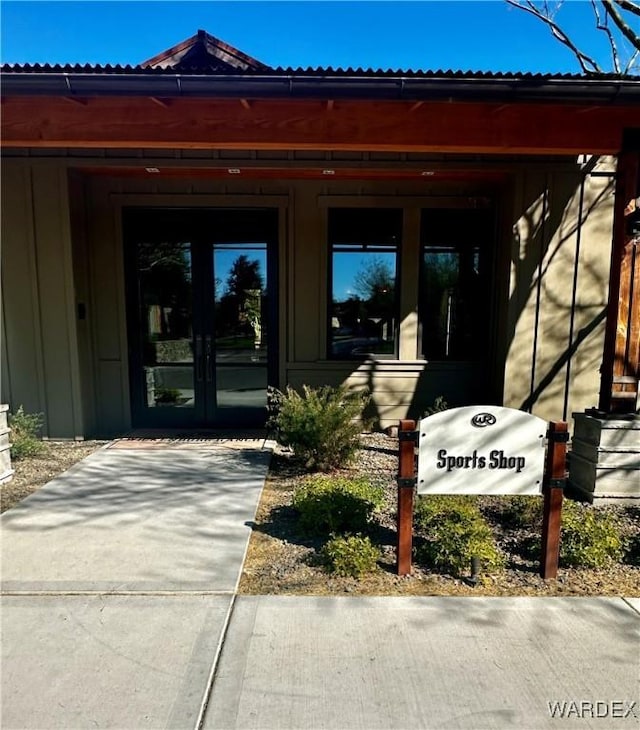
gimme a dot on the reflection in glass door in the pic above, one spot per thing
(201, 320)
(241, 324)
(166, 323)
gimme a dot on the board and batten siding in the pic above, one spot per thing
(40, 364)
(62, 245)
(560, 260)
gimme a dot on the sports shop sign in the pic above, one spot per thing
(486, 450)
(483, 450)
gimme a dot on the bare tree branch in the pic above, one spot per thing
(588, 64)
(630, 6)
(632, 60)
(621, 32)
(605, 28)
(625, 29)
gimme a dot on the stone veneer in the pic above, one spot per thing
(6, 472)
(605, 456)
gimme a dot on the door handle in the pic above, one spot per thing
(208, 354)
(199, 359)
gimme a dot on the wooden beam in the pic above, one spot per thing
(164, 103)
(304, 125)
(76, 100)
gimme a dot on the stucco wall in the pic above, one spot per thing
(61, 249)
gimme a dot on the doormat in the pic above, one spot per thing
(218, 439)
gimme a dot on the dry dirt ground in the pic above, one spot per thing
(281, 559)
(33, 472)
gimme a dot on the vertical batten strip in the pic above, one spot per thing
(32, 255)
(543, 238)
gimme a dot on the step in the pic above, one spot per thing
(5, 461)
(601, 481)
(6, 472)
(628, 458)
(610, 433)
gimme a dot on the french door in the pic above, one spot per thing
(201, 313)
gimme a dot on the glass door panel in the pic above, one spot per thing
(201, 325)
(165, 324)
(240, 323)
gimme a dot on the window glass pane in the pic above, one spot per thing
(450, 316)
(363, 316)
(373, 226)
(164, 280)
(454, 300)
(240, 302)
(241, 334)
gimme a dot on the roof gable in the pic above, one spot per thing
(203, 52)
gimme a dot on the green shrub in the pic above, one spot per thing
(439, 405)
(523, 511)
(25, 434)
(590, 538)
(336, 505)
(173, 350)
(321, 425)
(351, 555)
(167, 395)
(455, 532)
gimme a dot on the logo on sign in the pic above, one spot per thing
(480, 420)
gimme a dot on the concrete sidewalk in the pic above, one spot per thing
(118, 578)
(472, 663)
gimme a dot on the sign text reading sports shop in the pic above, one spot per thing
(481, 450)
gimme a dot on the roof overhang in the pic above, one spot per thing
(383, 111)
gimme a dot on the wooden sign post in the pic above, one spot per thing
(554, 480)
(463, 458)
(406, 486)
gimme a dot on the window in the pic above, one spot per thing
(363, 316)
(455, 297)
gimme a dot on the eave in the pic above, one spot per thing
(247, 122)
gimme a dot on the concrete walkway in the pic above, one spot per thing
(120, 612)
(427, 663)
(118, 579)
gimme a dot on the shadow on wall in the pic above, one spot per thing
(559, 289)
(459, 383)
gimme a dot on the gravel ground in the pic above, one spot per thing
(282, 560)
(34, 472)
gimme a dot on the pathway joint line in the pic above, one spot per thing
(116, 593)
(214, 666)
(631, 606)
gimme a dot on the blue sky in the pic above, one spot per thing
(429, 35)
